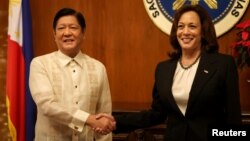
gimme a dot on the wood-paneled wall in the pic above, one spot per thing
(4, 131)
(121, 35)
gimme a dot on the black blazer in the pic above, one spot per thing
(214, 99)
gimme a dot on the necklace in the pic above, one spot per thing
(185, 68)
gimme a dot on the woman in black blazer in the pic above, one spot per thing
(196, 88)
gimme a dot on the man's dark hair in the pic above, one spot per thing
(69, 11)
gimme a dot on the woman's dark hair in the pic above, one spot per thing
(209, 41)
(69, 11)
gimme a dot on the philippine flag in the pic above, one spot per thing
(21, 107)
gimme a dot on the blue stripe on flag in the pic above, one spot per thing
(28, 55)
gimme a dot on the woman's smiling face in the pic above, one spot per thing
(189, 31)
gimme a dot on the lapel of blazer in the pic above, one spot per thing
(168, 81)
(205, 70)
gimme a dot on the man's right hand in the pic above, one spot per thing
(102, 123)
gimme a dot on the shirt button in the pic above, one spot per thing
(75, 86)
(74, 70)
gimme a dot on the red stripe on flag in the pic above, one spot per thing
(15, 89)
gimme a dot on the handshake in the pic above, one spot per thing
(101, 123)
